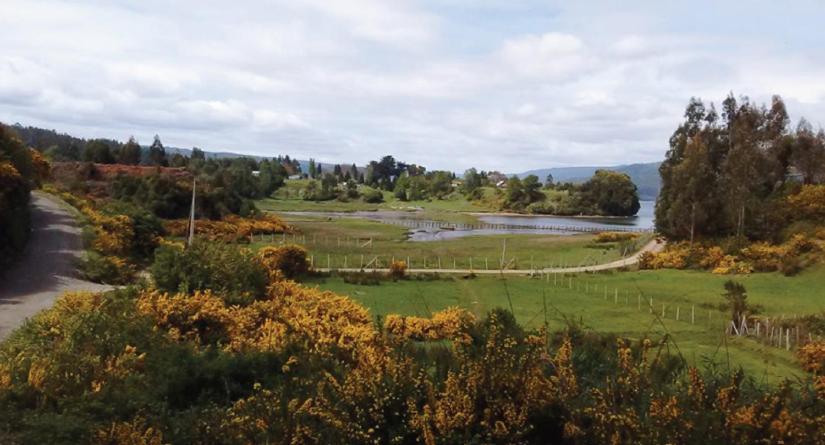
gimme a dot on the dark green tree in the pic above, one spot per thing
(130, 153)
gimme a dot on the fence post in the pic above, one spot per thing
(651, 305)
(677, 313)
(615, 295)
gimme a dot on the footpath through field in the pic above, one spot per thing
(652, 246)
(47, 268)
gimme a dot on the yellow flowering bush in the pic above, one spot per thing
(231, 228)
(398, 269)
(289, 261)
(809, 203)
(612, 237)
(449, 324)
(290, 313)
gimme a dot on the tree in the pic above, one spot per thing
(515, 194)
(197, 153)
(98, 151)
(157, 154)
(532, 190)
(548, 181)
(472, 182)
(809, 152)
(692, 176)
(313, 172)
(737, 300)
(130, 153)
(440, 184)
(610, 193)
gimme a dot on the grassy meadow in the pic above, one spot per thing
(623, 309)
(343, 241)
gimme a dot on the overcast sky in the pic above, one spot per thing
(509, 85)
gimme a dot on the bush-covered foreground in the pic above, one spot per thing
(299, 365)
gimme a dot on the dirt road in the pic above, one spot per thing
(652, 246)
(47, 268)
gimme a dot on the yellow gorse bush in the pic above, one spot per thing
(612, 237)
(449, 324)
(291, 313)
(230, 228)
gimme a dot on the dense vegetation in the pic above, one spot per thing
(730, 175)
(21, 170)
(742, 190)
(297, 365)
(607, 193)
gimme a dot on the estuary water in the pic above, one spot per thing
(497, 224)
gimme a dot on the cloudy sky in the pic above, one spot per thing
(509, 85)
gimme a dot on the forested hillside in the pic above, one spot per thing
(645, 176)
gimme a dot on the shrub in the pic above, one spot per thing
(449, 324)
(398, 270)
(809, 203)
(229, 229)
(372, 196)
(233, 271)
(362, 278)
(106, 269)
(289, 260)
(612, 237)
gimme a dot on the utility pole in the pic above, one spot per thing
(192, 215)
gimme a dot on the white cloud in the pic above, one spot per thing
(453, 84)
(552, 56)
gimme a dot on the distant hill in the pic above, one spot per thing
(645, 176)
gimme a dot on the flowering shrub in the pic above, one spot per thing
(449, 324)
(759, 256)
(398, 269)
(809, 203)
(306, 366)
(231, 228)
(289, 261)
(106, 269)
(611, 237)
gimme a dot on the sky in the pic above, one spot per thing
(507, 85)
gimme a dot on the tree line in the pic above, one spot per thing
(728, 173)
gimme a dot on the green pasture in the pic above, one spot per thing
(618, 302)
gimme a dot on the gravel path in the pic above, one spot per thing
(47, 268)
(652, 246)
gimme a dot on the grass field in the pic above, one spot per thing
(618, 311)
(343, 241)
